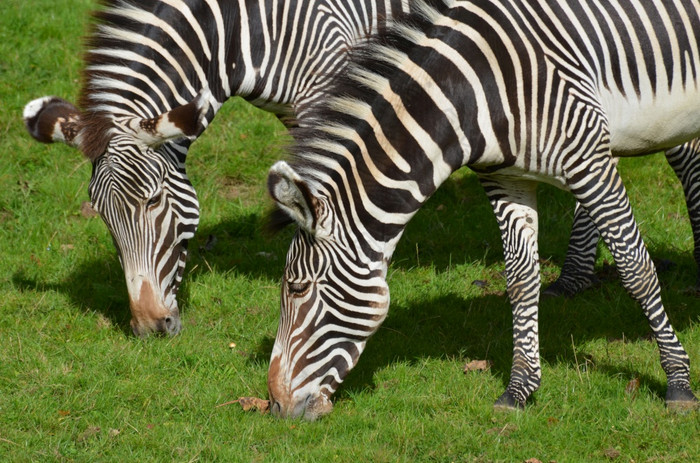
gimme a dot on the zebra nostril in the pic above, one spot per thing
(275, 408)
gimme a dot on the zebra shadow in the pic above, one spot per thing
(96, 285)
(459, 329)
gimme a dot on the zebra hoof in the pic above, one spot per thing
(508, 402)
(681, 400)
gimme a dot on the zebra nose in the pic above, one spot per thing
(309, 408)
(289, 408)
(172, 325)
(275, 408)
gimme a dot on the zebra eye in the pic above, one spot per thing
(298, 288)
(154, 199)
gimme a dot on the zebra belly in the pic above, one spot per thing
(649, 124)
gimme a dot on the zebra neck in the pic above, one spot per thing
(284, 53)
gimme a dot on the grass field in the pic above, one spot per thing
(75, 385)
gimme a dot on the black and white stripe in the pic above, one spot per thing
(156, 73)
(521, 92)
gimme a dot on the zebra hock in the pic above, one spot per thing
(156, 72)
(520, 92)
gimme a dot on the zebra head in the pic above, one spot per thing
(141, 191)
(334, 297)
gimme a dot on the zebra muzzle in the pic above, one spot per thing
(149, 314)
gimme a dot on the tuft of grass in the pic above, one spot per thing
(76, 386)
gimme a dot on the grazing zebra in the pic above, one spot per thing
(521, 92)
(156, 72)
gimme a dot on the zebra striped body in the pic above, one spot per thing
(156, 73)
(521, 92)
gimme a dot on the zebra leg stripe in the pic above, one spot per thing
(514, 204)
(685, 161)
(608, 206)
(577, 273)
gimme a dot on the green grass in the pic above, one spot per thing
(76, 386)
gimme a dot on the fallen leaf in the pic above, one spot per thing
(253, 403)
(87, 211)
(477, 365)
(114, 432)
(632, 388)
(533, 460)
(64, 412)
(611, 453)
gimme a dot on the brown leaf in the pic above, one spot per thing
(87, 211)
(533, 460)
(254, 403)
(611, 453)
(477, 365)
(632, 388)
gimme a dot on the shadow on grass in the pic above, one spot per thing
(94, 285)
(480, 328)
(456, 226)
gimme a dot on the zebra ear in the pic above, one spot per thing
(51, 119)
(186, 121)
(292, 195)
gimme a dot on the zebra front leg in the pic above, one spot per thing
(600, 191)
(685, 161)
(514, 203)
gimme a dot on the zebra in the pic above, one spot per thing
(156, 73)
(521, 92)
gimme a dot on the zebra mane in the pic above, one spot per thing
(371, 64)
(106, 63)
(96, 38)
(323, 139)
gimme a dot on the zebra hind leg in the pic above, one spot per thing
(602, 194)
(685, 161)
(514, 203)
(577, 272)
